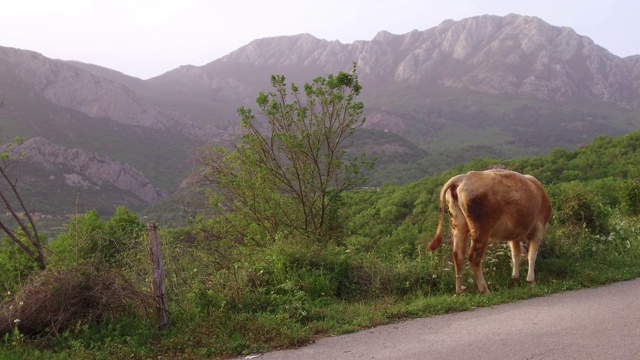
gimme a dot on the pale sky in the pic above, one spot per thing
(146, 38)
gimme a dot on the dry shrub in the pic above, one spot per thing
(55, 300)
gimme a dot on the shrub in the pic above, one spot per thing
(630, 194)
(53, 301)
(578, 205)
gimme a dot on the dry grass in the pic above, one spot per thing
(55, 300)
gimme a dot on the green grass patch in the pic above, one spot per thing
(288, 310)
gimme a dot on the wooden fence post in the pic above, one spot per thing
(157, 277)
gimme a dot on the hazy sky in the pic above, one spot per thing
(145, 38)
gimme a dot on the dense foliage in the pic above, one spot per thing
(229, 296)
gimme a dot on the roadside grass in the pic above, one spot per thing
(290, 294)
(225, 334)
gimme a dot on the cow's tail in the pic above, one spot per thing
(451, 184)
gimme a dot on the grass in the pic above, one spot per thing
(222, 334)
(227, 302)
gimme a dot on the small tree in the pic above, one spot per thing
(287, 173)
(27, 238)
(89, 238)
(81, 240)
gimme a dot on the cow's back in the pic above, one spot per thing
(504, 203)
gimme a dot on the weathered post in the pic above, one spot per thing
(157, 277)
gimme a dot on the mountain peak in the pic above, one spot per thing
(274, 50)
(383, 35)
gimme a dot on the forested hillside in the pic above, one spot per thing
(594, 181)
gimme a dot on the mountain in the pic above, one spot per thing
(492, 86)
(513, 55)
(49, 170)
(513, 85)
(69, 87)
(76, 108)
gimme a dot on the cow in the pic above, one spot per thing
(496, 204)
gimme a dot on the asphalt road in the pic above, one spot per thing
(601, 323)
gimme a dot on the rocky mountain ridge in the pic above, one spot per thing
(74, 88)
(513, 54)
(83, 169)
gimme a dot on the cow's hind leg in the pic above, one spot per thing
(516, 252)
(476, 253)
(460, 234)
(534, 246)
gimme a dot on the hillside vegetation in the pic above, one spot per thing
(228, 298)
(246, 281)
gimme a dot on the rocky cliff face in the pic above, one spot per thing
(84, 169)
(499, 55)
(633, 63)
(523, 55)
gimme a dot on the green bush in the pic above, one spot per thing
(89, 238)
(630, 194)
(577, 205)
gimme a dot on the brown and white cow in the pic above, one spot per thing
(496, 204)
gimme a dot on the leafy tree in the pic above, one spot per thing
(29, 240)
(287, 173)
